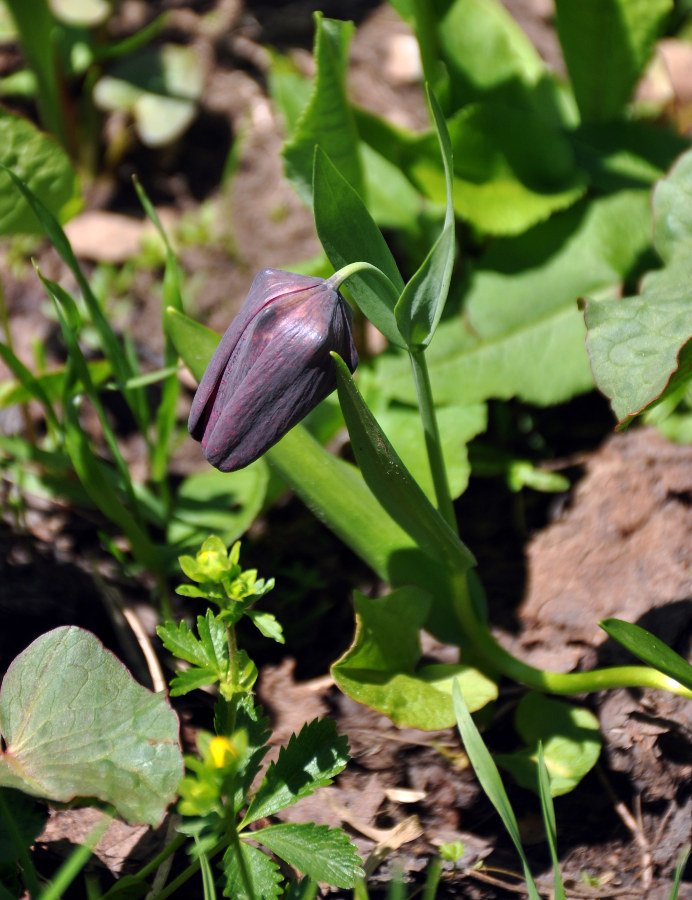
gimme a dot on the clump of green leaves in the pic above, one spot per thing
(217, 802)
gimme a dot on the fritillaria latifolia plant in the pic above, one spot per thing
(288, 347)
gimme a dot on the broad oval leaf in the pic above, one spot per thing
(570, 738)
(76, 724)
(43, 166)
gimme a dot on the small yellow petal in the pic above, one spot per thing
(222, 751)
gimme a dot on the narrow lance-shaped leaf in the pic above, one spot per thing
(649, 649)
(109, 341)
(489, 778)
(327, 121)
(349, 234)
(391, 482)
(420, 306)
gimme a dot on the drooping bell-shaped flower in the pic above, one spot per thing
(271, 368)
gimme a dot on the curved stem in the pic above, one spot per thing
(554, 682)
(431, 432)
(337, 279)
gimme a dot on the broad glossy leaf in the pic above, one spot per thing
(589, 248)
(76, 724)
(649, 649)
(673, 210)
(380, 668)
(43, 166)
(325, 854)
(349, 234)
(222, 502)
(637, 344)
(607, 44)
(570, 738)
(484, 49)
(327, 120)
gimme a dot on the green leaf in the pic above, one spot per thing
(569, 736)
(226, 503)
(36, 27)
(263, 874)
(42, 165)
(672, 215)
(159, 86)
(310, 760)
(327, 121)
(511, 168)
(637, 344)
(267, 625)
(182, 643)
(484, 50)
(379, 669)
(548, 812)
(33, 386)
(193, 679)
(325, 854)
(420, 306)
(76, 724)
(349, 234)
(251, 720)
(390, 481)
(458, 425)
(489, 778)
(607, 44)
(337, 494)
(650, 649)
(194, 342)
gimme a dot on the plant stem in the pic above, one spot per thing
(433, 445)
(337, 279)
(553, 682)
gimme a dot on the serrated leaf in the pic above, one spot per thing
(650, 649)
(570, 738)
(327, 121)
(181, 642)
(263, 874)
(607, 44)
(310, 760)
(193, 679)
(325, 854)
(250, 719)
(379, 669)
(76, 724)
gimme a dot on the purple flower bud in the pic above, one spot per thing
(271, 368)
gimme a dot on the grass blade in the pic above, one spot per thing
(489, 778)
(548, 811)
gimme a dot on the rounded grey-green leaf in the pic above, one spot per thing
(76, 724)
